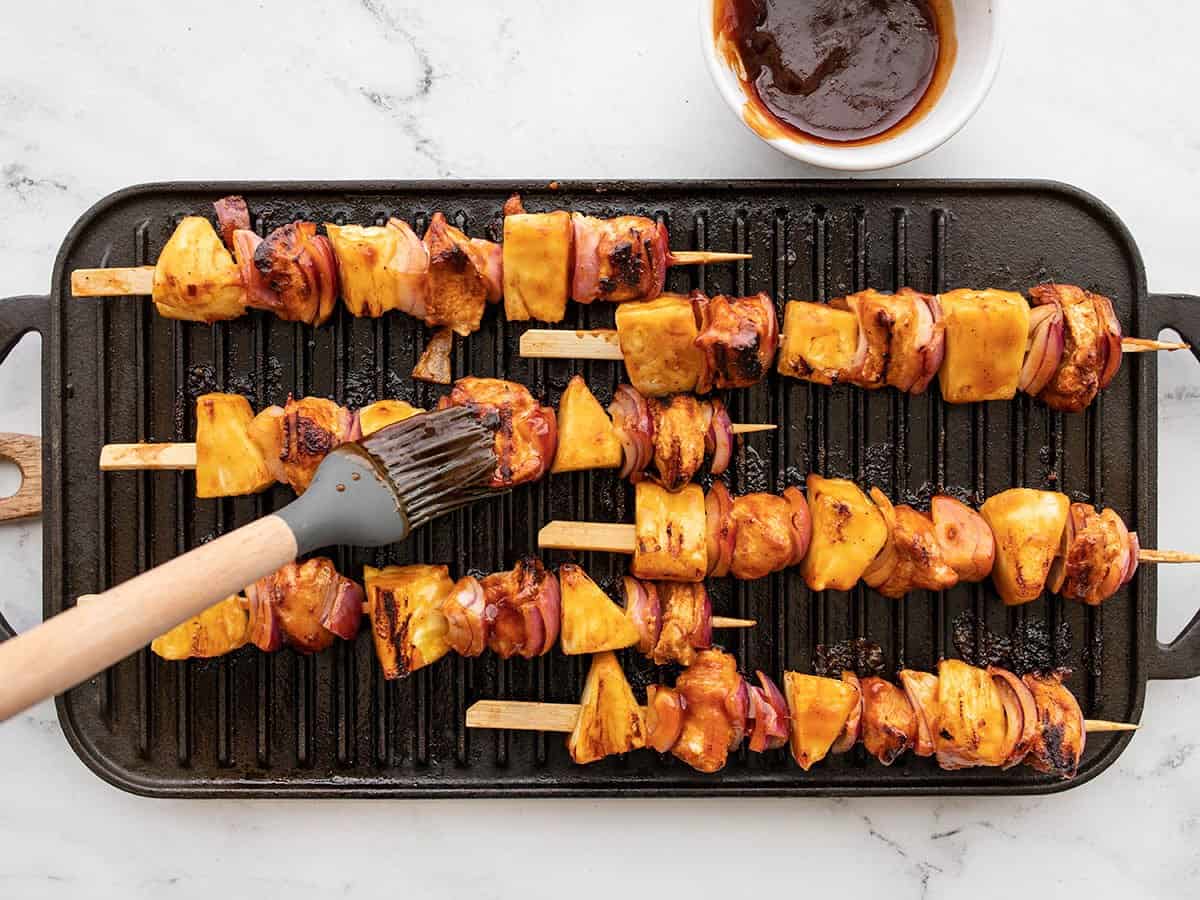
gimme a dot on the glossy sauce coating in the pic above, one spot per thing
(837, 71)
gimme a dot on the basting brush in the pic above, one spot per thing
(369, 493)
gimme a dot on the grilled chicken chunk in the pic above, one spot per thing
(295, 439)
(1061, 734)
(848, 530)
(294, 273)
(1095, 557)
(820, 708)
(458, 278)
(707, 687)
(971, 724)
(527, 436)
(986, 336)
(911, 558)
(739, 337)
(658, 342)
(819, 343)
(670, 528)
(434, 364)
(586, 437)
(1028, 527)
(889, 724)
(228, 462)
(686, 623)
(1085, 347)
(523, 609)
(591, 621)
(762, 535)
(381, 268)
(220, 629)
(303, 605)
(680, 426)
(407, 622)
(618, 259)
(196, 277)
(610, 719)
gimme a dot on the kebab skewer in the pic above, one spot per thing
(417, 614)
(238, 453)
(963, 716)
(445, 278)
(981, 344)
(1028, 541)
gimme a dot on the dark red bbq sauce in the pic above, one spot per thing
(837, 71)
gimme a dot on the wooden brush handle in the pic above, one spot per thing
(25, 451)
(73, 646)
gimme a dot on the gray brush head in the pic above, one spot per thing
(397, 479)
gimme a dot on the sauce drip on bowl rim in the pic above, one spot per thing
(836, 72)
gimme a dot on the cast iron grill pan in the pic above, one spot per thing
(254, 724)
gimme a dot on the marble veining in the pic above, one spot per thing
(94, 97)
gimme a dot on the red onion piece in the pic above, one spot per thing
(1135, 549)
(258, 292)
(718, 441)
(534, 625)
(1112, 338)
(1046, 342)
(737, 708)
(265, 631)
(465, 615)
(778, 735)
(1058, 568)
(1020, 715)
(1114, 578)
(770, 730)
(851, 731)
(232, 215)
(934, 350)
(643, 610)
(585, 278)
(549, 603)
(492, 255)
(635, 430)
(665, 710)
(718, 508)
(341, 610)
(799, 523)
(659, 249)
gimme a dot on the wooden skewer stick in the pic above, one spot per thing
(519, 715)
(619, 537)
(138, 280)
(601, 343)
(717, 621)
(174, 457)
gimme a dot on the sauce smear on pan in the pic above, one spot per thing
(837, 71)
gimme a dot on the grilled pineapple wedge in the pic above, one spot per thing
(610, 719)
(586, 437)
(658, 341)
(986, 337)
(971, 721)
(820, 709)
(1027, 525)
(818, 342)
(537, 266)
(228, 462)
(407, 622)
(196, 277)
(383, 413)
(670, 533)
(591, 621)
(848, 530)
(220, 629)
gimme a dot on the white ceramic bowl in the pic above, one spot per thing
(978, 26)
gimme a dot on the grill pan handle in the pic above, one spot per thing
(1181, 312)
(18, 317)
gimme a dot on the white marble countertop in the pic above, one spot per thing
(97, 96)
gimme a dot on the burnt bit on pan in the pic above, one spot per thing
(858, 655)
(1030, 647)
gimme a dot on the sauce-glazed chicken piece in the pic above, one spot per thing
(1061, 733)
(522, 610)
(680, 425)
(739, 337)
(685, 623)
(618, 259)
(670, 533)
(527, 434)
(900, 338)
(196, 277)
(610, 719)
(292, 273)
(763, 535)
(1028, 527)
(1095, 556)
(889, 725)
(407, 622)
(220, 629)
(912, 557)
(1088, 343)
(296, 437)
(708, 688)
(459, 282)
(305, 606)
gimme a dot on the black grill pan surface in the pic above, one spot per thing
(254, 724)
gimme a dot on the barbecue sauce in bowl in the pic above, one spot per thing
(844, 72)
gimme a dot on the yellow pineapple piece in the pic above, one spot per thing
(196, 277)
(220, 629)
(407, 623)
(591, 621)
(228, 461)
(610, 720)
(987, 333)
(818, 342)
(537, 266)
(586, 437)
(658, 341)
(384, 412)
(848, 530)
(820, 708)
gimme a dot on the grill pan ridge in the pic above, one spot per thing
(255, 724)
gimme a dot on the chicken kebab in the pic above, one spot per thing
(1062, 345)
(443, 278)
(1027, 540)
(963, 716)
(418, 613)
(237, 452)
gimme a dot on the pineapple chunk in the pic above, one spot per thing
(196, 278)
(407, 623)
(591, 621)
(1027, 526)
(670, 533)
(820, 708)
(220, 629)
(658, 341)
(380, 267)
(384, 412)
(537, 266)
(986, 337)
(970, 729)
(586, 437)
(228, 462)
(848, 530)
(610, 720)
(818, 342)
